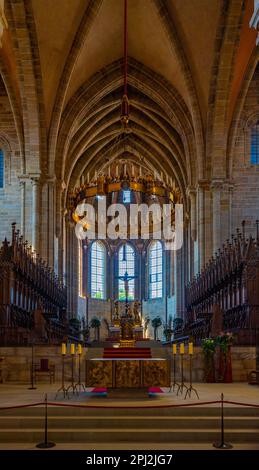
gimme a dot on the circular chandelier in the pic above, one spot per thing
(137, 179)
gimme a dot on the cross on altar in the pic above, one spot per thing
(126, 278)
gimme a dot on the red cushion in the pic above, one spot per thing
(155, 390)
(44, 365)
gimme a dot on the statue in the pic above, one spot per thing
(136, 311)
(116, 308)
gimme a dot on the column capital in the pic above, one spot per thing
(216, 184)
(191, 191)
(204, 184)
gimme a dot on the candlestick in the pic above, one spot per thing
(79, 384)
(182, 384)
(63, 388)
(191, 389)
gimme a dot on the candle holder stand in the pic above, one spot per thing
(191, 389)
(182, 385)
(174, 384)
(72, 385)
(63, 388)
(79, 384)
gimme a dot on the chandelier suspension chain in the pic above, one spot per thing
(125, 46)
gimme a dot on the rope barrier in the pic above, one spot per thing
(45, 444)
(179, 405)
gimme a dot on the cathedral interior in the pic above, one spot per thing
(155, 102)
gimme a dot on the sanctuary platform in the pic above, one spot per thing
(135, 423)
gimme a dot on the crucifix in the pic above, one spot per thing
(126, 278)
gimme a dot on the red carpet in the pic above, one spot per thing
(127, 353)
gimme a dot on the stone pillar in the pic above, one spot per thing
(35, 238)
(216, 188)
(201, 226)
(193, 212)
(22, 189)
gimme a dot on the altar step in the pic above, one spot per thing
(139, 353)
(75, 425)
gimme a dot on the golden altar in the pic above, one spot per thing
(127, 373)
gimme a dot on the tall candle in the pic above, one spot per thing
(191, 349)
(63, 349)
(182, 348)
(174, 348)
(72, 349)
(79, 349)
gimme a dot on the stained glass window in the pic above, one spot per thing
(255, 144)
(97, 270)
(155, 270)
(1, 168)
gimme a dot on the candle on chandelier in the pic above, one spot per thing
(79, 349)
(88, 177)
(182, 348)
(191, 349)
(109, 171)
(63, 349)
(72, 349)
(117, 171)
(174, 349)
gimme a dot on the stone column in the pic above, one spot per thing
(193, 212)
(35, 238)
(22, 189)
(216, 187)
(201, 227)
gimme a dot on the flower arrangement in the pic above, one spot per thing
(224, 340)
(208, 346)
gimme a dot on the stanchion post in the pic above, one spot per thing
(46, 444)
(222, 444)
(32, 387)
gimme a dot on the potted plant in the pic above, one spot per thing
(156, 323)
(209, 347)
(168, 331)
(95, 324)
(225, 341)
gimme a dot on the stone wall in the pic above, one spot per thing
(10, 207)
(245, 204)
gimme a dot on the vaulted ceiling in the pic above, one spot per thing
(188, 59)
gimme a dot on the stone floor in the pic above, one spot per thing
(13, 394)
